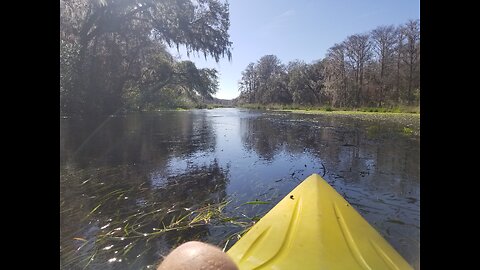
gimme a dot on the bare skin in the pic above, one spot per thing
(195, 255)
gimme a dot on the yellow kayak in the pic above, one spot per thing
(314, 227)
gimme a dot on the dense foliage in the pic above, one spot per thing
(379, 68)
(113, 53)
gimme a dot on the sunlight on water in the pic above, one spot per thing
(145, 183)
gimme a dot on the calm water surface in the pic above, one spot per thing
(123, 179)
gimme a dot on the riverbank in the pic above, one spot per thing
(353, 112)
(200, 106)
(328, 109)
(409, 117)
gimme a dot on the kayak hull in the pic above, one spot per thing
(314, 227)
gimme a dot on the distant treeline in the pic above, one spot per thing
(113, 53)
(378, 68)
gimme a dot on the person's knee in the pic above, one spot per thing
(197, 255)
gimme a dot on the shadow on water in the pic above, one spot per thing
(144, 183)
(134, 139)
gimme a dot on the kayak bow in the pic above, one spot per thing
(314, 227)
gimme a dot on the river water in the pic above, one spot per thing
(124, 178)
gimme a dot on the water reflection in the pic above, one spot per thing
(374, 165)
(139, 139)
(348, 150)
(135, 172)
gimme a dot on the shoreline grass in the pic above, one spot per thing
(328, 109)
(188, 108)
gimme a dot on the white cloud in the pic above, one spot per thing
(286, 14)
(278, 20)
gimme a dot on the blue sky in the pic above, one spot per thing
(300, 29)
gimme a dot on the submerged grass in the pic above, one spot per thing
(256, 202)
(120, 236)
(117, 228)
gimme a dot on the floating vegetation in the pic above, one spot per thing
(122, 235)
(147, 184)
(407, 131)
(396, 221)
(118, 226)
(256, 202)
(411, 120)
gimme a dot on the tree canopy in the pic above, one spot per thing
(378, 68)
(113, 53)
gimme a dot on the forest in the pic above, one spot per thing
(380, 68)
(114, 58)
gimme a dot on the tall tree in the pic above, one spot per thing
(297, 82)
(115, 39)
(336, 75)
(249, 82)
(358, 53)
(399, 54)
(412, 55)
(384, 40)
(272, 81)
(305, 82)
(316, 81)
(381, 68)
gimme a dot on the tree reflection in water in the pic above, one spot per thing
(127, 184)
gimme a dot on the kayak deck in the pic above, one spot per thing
(314, 227)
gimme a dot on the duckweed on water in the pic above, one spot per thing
(407, 130)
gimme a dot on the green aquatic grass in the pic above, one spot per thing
(407, 131)
(124, 234)
(256, 202)
(397, 109)
(410, 120)
(345, 112)
(120, 236)
(328, 108)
